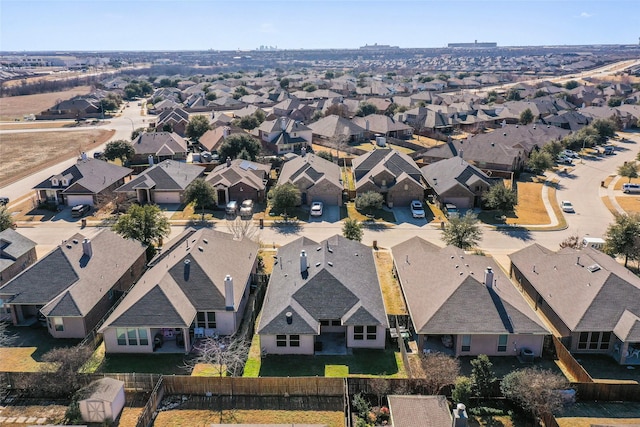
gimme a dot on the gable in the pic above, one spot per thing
(154, 309)
(324, 297)
(197, 285)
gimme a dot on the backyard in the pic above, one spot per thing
(587, 414)
(193, 417)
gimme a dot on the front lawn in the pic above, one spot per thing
(376, 215)
(530, 209)
(384, 363)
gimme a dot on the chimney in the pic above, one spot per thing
(83, 156)
(303, 151)
(150, 160)
(228, 161)
(86, 248)
(461, 153)
(488, 277)
(187, 268)
(303, 262)
(283, 123)
(289, 317)
(459, 416)
(228, 293)
(225, 132)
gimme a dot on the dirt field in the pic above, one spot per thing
(202, 418)
(23, 153)
(15, 107)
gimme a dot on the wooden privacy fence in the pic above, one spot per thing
(147, 415)
(572, 366)
(607, 391)
(263, 386)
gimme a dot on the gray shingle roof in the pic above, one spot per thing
(240, 171)
(312, 167)
(340, 283)
(431, 411)
(166, 175)
(212, 255)
(75, 282)
(333, 125)
(159, 143)
(454, 172)
(13, 245)
(369, 165)
(88, 176)
(445, 292)
(105, 389)
(582, 299)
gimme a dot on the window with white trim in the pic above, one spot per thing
(502, 342)
(594, 340)
(132, 336)
(372, 332)
(358, 333)
(58, 324)
(281, 340)
(206, 319)
(294, 340)
(466, 343)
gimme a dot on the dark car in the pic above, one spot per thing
(79, 211)
(4, 201)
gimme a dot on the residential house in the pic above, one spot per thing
(463, 304)
(74, 285)
(458, 182)
(154, 147)
(212, 139)
(88, 182)
(570, 120)
(284, 135)
(318, 179)
(239, 180)
(393, 174)
(79, 107)
(286, 107)
(197, 287)
(378, 124)
(591, 300)
(162, 183)
(16, 253)
(173, 120)
(323, 297)
(334, 128)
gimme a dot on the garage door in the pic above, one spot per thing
(168, 197)
(460, 202)
(84, 199)
(327, 199)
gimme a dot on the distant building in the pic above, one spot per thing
(377, 46)
(475, 44)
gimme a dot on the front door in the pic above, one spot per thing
(222, 197)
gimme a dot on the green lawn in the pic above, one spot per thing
(145, 363)
(361, 363)
(378, 214)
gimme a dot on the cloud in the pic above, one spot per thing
(586, 15)
(268, 28)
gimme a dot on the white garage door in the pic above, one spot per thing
(166, 197)
(85, 199)
(327, 199)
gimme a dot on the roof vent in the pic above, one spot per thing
(330, 263)
(593, 268)
(289, 317)
(319, 248)
(200, 248)
(75, 241)
(318, 264)
(206, 242)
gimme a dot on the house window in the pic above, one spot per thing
(206, 319)
(324, 323)
(211, 319)
(594, 340)
(144, 338)
(466, 343)
(58, 324)
(54, 182)
(502, 342)
(605, 340)
(281, 340)
(358, 333)
(294, 340)
(336, 323)
(583, 340)
(132, 336)
(372, 332)
(121, 335)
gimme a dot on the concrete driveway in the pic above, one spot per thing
(403, 216)
(329, 214)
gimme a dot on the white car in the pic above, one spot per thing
(570, 153)
(567, 206)
(564, 159)
(316, 209)
(417, 210)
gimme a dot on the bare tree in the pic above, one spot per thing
(439, 370)
(572, 241)
(7, 337)
(536, 390)
(380, 387)
(227, 354)
(243, 229)
(61, 376)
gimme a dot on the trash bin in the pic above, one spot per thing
(442, 225)
(375, 244)
(261, 223)
(84, 223)
(601, 183)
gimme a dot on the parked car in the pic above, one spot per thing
(316, 209)
(630, 188)
(246, 208)
(567, 206)
(206, 156)
(608, 150)
(98, 155)
(564, 159)
(570, 153)
(4, 201)
(231, 208)
(451, 210)
(417, 210)
(79, 211)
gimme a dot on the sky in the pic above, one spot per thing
(101, 25)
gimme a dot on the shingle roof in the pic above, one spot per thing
(369, 165)
(454, 172)
(75, 282)
(446, 294)
(105, 389)
(13, 245)
(333, 125)
(340, 283)
(88, 176)
(159, 143)
(431, 411)
(312, 167)
(585, 299)
(182, 290)
(240, 171)
(379, 123)
(166, 175)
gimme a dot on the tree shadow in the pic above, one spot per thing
(287, 227)
(516, 232)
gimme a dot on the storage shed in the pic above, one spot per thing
(102, 400)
